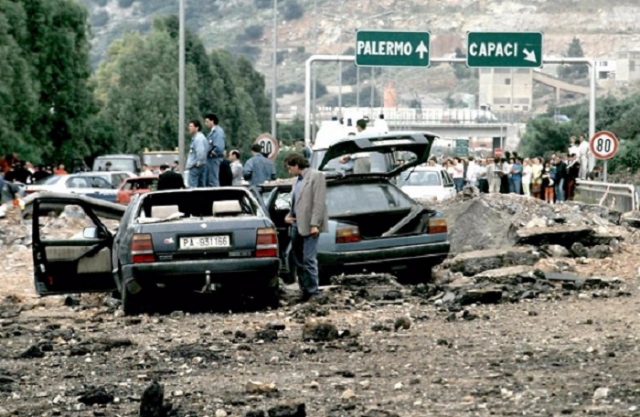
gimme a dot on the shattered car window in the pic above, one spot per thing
(365, 198)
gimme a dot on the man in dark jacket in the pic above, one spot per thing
(561, 178)
(169, 180)
(226, 176)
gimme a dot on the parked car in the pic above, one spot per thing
(119, 162)
(182, 241)
(427, 183)
(115, 178)
(134, 186)
(94, 186)
(373, 225)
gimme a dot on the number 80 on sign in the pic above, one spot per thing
(604, 145)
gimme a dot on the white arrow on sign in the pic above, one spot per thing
(530, 55)
(422, 49)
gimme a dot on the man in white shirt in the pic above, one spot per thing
(472, 175)
(583, 157)
(573, 145)
(236, 167)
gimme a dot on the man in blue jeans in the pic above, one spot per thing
(308, 218)
(215, 151)
(197, 159)
(561, 176)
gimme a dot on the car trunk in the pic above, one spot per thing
(187, 239)
(375, 225)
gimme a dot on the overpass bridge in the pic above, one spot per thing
(446, 123)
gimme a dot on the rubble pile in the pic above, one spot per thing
(493, 221)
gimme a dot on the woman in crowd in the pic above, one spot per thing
(548, 183)
(536, 178)
(458, 174)
(526, 177)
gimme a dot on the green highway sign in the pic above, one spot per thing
(504, 49)
(383, 48)
(462, 147)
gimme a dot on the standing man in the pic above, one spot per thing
(225, 176)
(561, 176)
(583, 157)
(196, 162)
(258, 168)
(236, 167)
(215, 154)
(168, 179)
(308, 218)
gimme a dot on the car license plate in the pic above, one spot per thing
(204, 242)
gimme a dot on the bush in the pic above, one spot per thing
(281, 171)
(263, 4)
(253, 32)
(125, 4)
(292, 10)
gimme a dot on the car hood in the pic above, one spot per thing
(56, 202)
(418, 143)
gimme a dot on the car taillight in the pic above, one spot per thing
(347, 233)
(142, 248)
(266, 243)
(437, 225)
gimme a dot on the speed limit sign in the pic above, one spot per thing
(603, 145)
(269, 145)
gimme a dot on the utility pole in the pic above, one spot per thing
(314, 78)
(340, 62)
(181, 88)
(274, 105)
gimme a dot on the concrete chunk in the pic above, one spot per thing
(472, 263)
(559, 235)
(504, 274)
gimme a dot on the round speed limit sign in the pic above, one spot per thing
(603, 145)
(269, 145)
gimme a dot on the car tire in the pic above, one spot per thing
(132, 304)
(269, 294)
(415, 274)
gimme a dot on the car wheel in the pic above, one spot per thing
(269, 294)
(132, 304)
(415, 274)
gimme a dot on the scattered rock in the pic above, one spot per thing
(289, 409)
(268, 335)
(578, 250)
(555, 251)
(319, 331)
(403, 323)
(97, 395)
(599, 252)
(32, 353)
(480, 296)
(600, 393)
(255, 387)
(557, 235)
(473, 263)
(348, 395)
(151, 402)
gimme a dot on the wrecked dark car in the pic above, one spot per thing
(373, 225)
(178, 241)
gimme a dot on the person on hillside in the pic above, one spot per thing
(561, 178)
(516, 176)
(548, 183)
(573, 172)
(527, 174)
(583, 157)
(60, 170)
(536, 178)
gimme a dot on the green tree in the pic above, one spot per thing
(253, 83)
(543, 135)
(574, 50)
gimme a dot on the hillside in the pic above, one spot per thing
(245, 26)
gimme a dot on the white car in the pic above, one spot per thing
(95, 186)
(427, 183)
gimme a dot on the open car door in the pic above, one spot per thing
(71, 254)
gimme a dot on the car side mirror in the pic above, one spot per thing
(90, 233)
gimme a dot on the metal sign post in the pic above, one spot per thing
(604, 146)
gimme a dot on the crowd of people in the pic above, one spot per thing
(551, 179)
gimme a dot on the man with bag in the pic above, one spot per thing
(215, 154)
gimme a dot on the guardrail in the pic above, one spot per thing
(620, 197)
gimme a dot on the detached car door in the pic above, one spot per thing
(71, 254)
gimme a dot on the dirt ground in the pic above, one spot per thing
(575, 353)
(567, 352)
